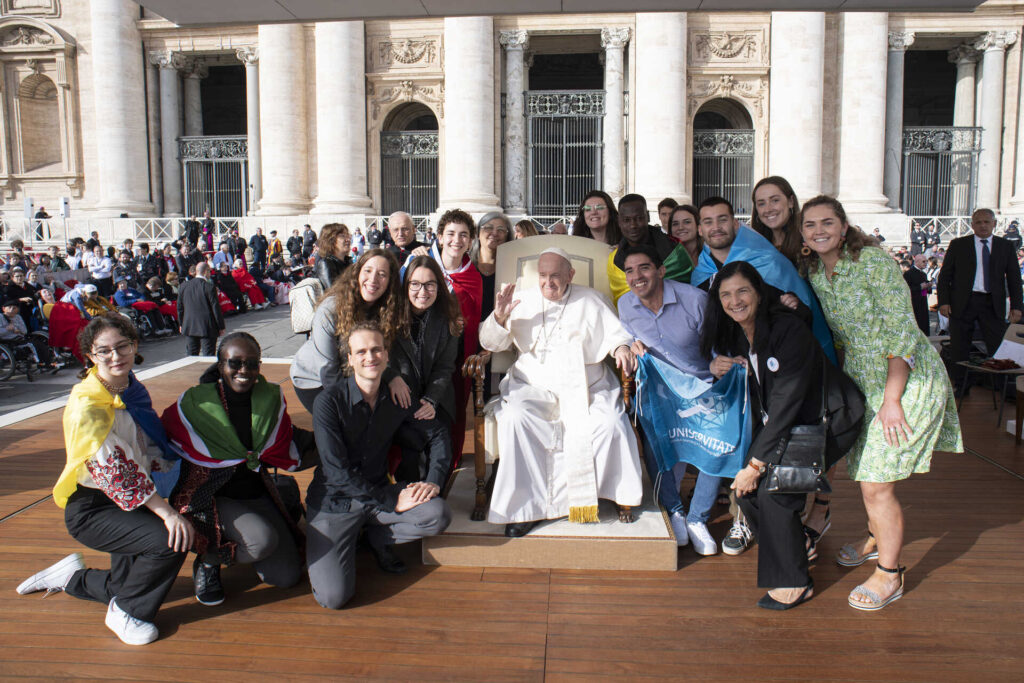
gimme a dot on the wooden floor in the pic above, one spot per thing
(962, 618)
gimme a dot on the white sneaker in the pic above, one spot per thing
(678, 521)
(54, 577)
(701, 537)
(130, 630)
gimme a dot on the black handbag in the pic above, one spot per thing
(802, 467)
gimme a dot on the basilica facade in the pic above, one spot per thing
(900, 115)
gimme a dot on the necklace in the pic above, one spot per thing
(114, 391)
(544, 333)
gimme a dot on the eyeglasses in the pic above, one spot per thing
(595, 207)
(122, 349)
(249, 363)
(497, 229)
(429, 287)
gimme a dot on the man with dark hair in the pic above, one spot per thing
(356, 422)
(665, 207)
(187, 257)
(308, 241)
(917, 281)
(633, 219)
(374, 237)
(259, 245)
(294, 244)
(191, 231)
(151, 265)
(199, 313)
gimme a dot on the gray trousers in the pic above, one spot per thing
(263, 539)
(331, 542)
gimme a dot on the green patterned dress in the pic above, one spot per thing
(867, 306)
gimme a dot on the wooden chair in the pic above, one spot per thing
(1020, 407)
(517, 262)
(1015, 334)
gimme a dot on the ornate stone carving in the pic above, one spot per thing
(964, 54)
(612, 38)
(25, 36)
(900, 40)
(995, 40)
(196, 68)
(168, 59)
(248, 55)
(726, 45)
(948, 139)
(723, 143)
(405, 91)
(231, 147)
(409, 144)
(514, 40)
(575, 103)
(407, 51)
(36, 8)
(752, 90)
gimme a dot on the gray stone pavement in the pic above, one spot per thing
(271, 327)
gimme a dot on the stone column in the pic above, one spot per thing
(515, 43)
(614, 40)
(283, 114)
(156, 175)
(170, 127)
(659, 111)
(341, 118)
(862, 118)
(797, 75)
(966, 59)
(250, 57)
(467, 157)
(899, 41)
(993, 44)
(196, 70)
(119, 104)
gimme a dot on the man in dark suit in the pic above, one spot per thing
(190, 231)
(308, 240)
(259, 245)
(199, 312)
(978, 273)
(917, 281)
(187, 257)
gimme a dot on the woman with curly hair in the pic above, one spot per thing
(369, 290)
(333, 253)
(598, 219)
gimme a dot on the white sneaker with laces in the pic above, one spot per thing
(701, 538)
(738, 538)
(54, 577)
(130, 630)
(678, 521)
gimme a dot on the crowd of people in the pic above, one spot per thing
(811, 310)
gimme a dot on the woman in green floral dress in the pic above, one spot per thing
(910, 411)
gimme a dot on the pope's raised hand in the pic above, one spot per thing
(503, 303)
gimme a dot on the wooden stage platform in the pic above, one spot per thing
(962, 618)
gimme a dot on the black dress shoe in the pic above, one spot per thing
(388, 561)
(206, 578)
(519, 529)
(768, 602)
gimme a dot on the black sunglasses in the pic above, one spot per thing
(237, 363)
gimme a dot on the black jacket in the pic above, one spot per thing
(956, 279)
(328, 269)
(185, 262)
(294, 245)
(429, 371)
(199, 311)
(153, 266)
(258, 244)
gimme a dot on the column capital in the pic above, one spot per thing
(964, 54)
(614, 37)
(899, 41)
(995, 40)
(248, 55)
(196, 68)
(514, 40)
(168, 59)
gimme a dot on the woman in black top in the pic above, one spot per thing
(333, 255)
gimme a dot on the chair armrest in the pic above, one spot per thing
(475, 365)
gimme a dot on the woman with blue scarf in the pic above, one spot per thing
(119, 467)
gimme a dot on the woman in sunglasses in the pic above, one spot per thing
(230, 428)
(110, 489)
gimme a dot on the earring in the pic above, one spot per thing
(806, 251)
(842, 239)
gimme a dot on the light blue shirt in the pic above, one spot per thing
(673, 333)
(222, 257)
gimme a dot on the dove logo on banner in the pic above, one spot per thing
(688, 420)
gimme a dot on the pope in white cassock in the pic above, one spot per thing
(563, 433)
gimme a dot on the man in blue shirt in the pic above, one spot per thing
(665, 319)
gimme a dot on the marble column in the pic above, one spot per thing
(966, 59)
(340, 118)
(865, 38)
(283, 114)
(119, 108)
(156, 174)
(170, 127)
(797, 75)
(250, 57)
(467, 157)
(993, 44)
(195, 72)
(614, 40)
(899, 41)
(515, 43)
(659, 111)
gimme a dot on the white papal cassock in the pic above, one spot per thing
(563, 434)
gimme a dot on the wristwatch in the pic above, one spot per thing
(760, 470)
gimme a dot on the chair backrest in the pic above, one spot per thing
(516, 261)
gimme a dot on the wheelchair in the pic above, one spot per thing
(18, 358)
(140, 320)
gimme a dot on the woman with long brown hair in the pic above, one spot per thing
(333, 253)
(598, 219)
(777, 214)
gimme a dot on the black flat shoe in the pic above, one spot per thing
(519, 529)
(768, 602)
(388, 561)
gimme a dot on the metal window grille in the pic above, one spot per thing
(723, 165)
(216, 174)
(409, 172)
(940, 170)
(564, 130)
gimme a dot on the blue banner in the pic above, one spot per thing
(688, 420)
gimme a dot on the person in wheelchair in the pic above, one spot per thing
(135, 306)
(226, 283)
(14, 333)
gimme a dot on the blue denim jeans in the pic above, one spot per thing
(704, 493)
